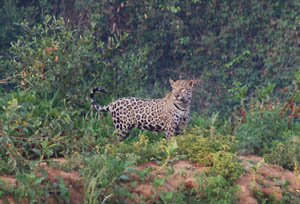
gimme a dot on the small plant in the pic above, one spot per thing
(11, 157)
(239, 93)
(264, 198)
(290, 196)
(101, 175)
(297, 172)
(216, 190)
(170, 150)
(32, 188)
(255, 168)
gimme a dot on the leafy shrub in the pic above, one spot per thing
(226, 165)
(35, 189)
(284, 153)
(212, 189)
(213, 151)
(264, 198)
(101, 175)
(34, 123)
(49, 54)
(289, 197)
(201, 149)
(207, 126)
(141, 151)
(259, 130)
(198, 149)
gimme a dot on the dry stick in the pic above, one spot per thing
(4, 81)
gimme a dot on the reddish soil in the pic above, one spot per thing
(184, 173)
(266, 179)
(71, 180)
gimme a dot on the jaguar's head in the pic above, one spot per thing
(182, 90)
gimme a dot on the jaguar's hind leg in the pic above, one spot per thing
(123, 135)
(123, 132)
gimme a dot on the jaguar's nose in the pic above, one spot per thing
(183, 100)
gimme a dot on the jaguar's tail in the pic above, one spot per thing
(93, 102)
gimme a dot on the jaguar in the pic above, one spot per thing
(169, 114)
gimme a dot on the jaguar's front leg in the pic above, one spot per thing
(170, 133)
(180, 130)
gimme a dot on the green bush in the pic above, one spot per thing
(201, 149)
(141, 151)
(226, 165)
(264, 198)
(198, 149)
(49, 54)
(289, 197)
(35, 189)
(213, 190)
(33, 125)
(213, 150)
(259, 129)
(101, 175)
(284, 153)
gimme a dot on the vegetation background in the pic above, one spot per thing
(245, 54)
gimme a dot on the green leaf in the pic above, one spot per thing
(63, 190)
(158, 182)
(124, 177)
(38, 181)
(37, 151)
(133, 183)
(168, 195)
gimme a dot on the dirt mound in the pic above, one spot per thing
(183, 173)
(71, 180)
(258, 177)
(264, 178)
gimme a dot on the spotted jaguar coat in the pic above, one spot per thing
(169, 114)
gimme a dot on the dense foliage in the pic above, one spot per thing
(219, 42)
(244, 54)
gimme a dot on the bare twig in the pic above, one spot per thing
(4, 81)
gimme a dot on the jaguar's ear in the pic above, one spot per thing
(191, 83)
(171, 82)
